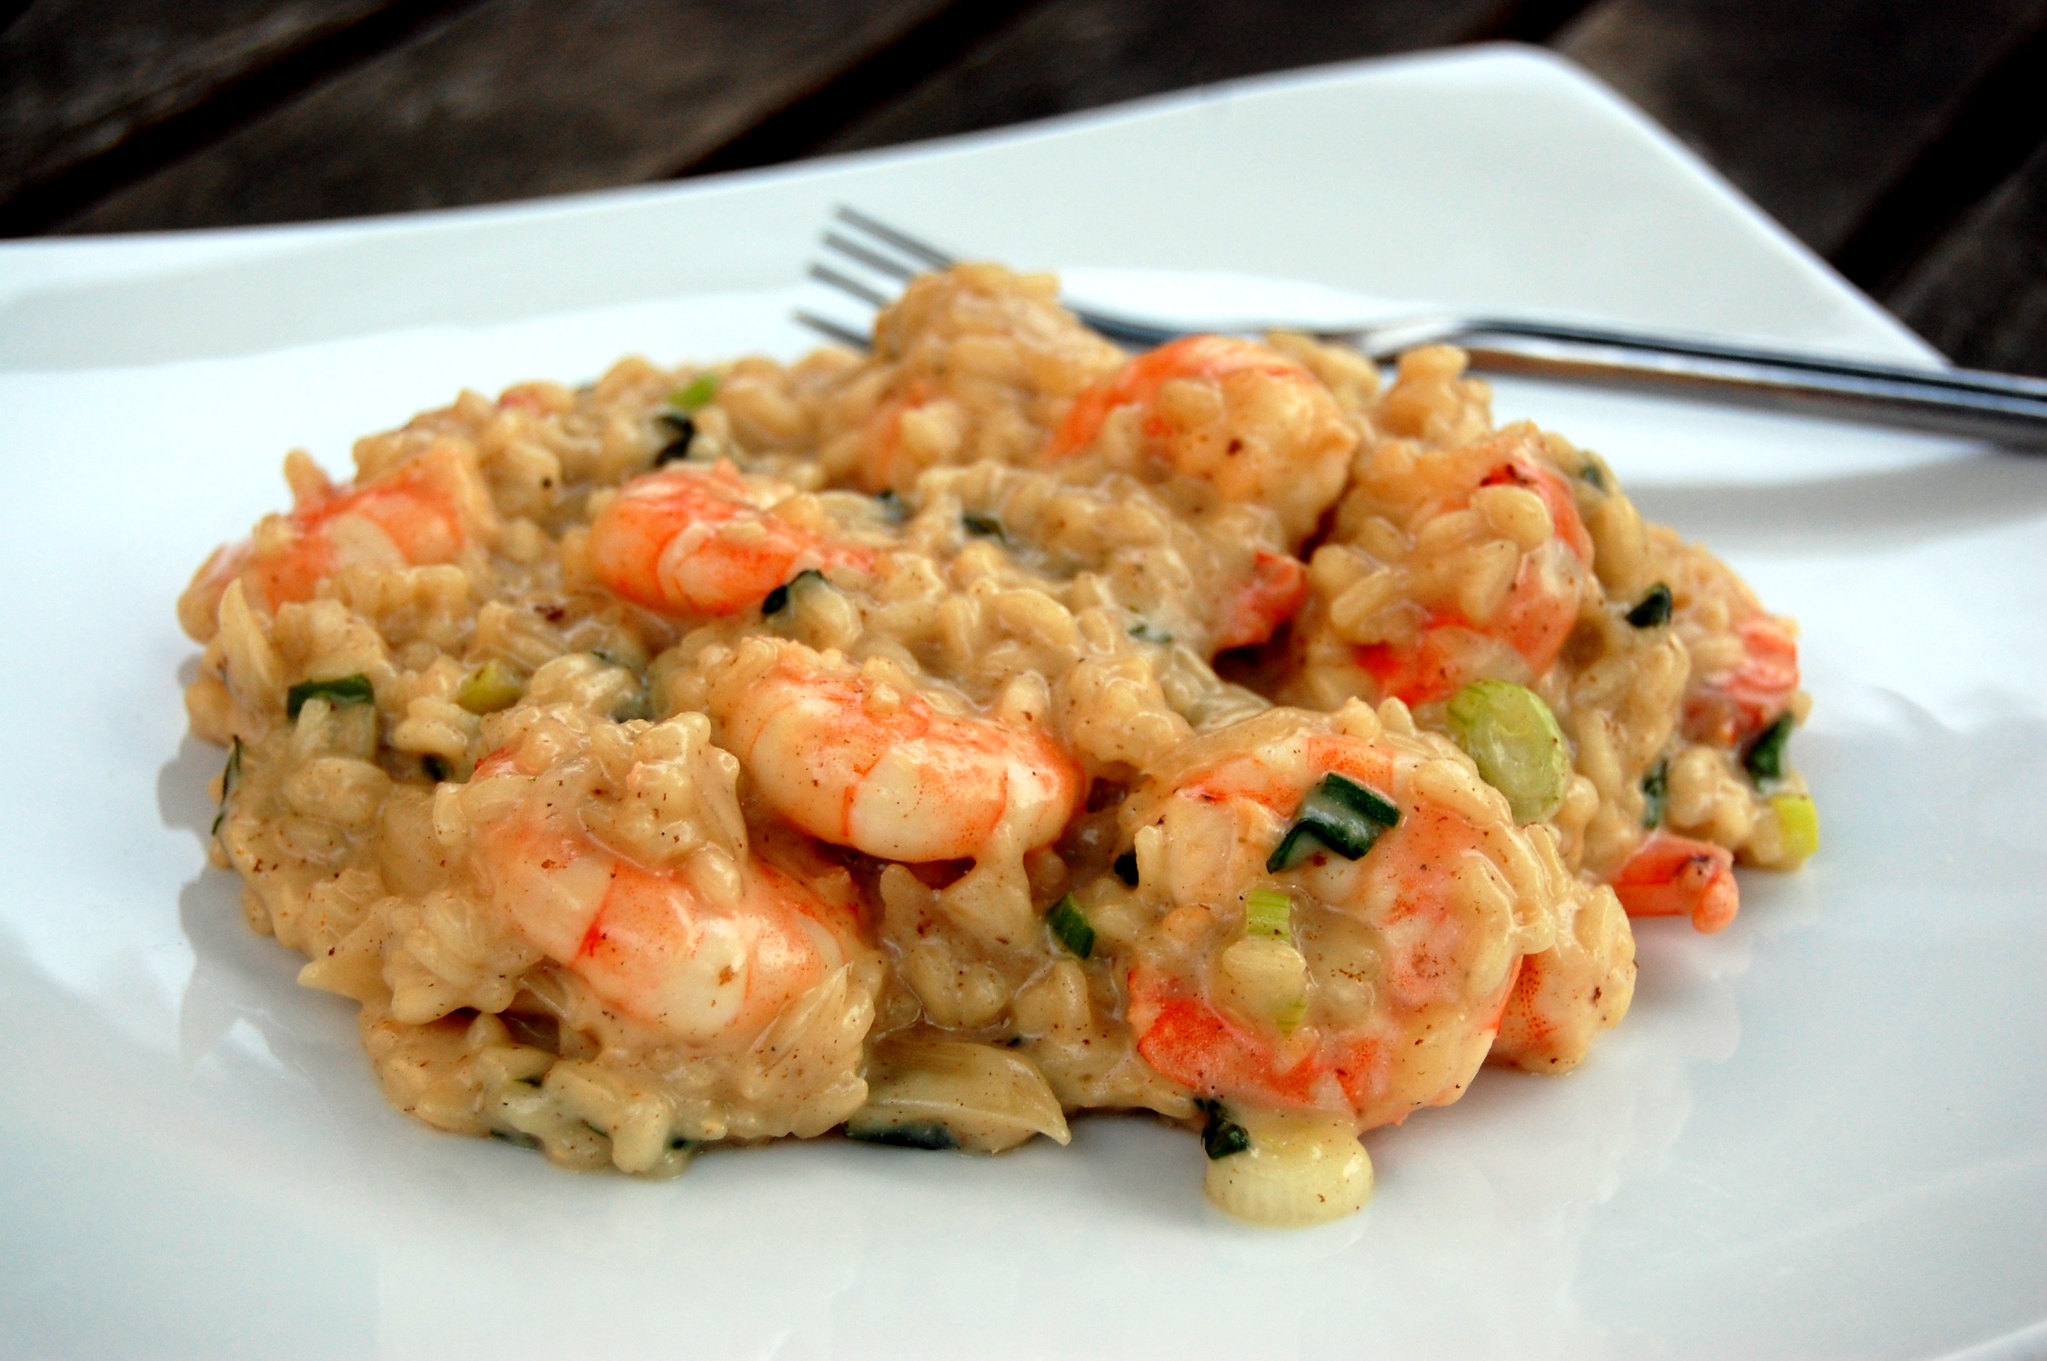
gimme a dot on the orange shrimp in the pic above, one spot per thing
(859, 761)
(1677, 876)
(1255, 608)
(1540, 609)
(1266, 431)
(711, 970)
(424, 511)
(1406, 956)
(696, 541)
(1732, 706)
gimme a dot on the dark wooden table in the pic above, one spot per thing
(1906, 142)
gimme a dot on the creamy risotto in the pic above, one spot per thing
(934, 744)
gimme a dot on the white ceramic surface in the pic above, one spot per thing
(1822, 1132)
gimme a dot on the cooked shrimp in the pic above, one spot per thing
(697, 541)
(1520, 638)
(1677, 876)
(1378, 986)
(860, 760)
(424, 511)
(709, 964)
(1732, 705)
(1247, 420)
(1255, 608)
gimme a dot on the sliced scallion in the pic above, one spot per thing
(490, 687)
(987, 526)
(678, 447)
(230, 776)
(1220, 1135)
(1655, 794)
(1269, 912)
(778, 599)
(1071, 927)
(927, 1134)
(1514, 740)
(694, 395)
(354, 689)
(1339, 815)
(1145, 632)
(1764, 759)
(1798, 824)
(1653, 610)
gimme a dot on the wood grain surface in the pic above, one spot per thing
(1901, 141)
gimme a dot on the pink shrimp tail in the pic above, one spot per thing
(1677, 876)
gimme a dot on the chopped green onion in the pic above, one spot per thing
(1593, 475)
(230, 775)
(1798, 824)
(778, 599)
(891, 503)
(1764, 758)
(1071, 926)
(354, 689)
(1655, 794)
(678, 448)
(1221, 1136)
(1653, 610)
(925, 1134)
(1143, 632)
(1339, 815)
(1269, 912)
(1126, 868)
(490, 687)
(695, 395)
(1513, 738)
(985, 525)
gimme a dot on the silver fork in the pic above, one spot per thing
(872, 260)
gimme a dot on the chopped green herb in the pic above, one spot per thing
(1513, 738)
(354, 689)
(892, 504)
(1126, 868)
(490, 687)
(1143, 632)
(677, 448)
(1653, 610)
(230, 775)
(1339, 815)
(1593, 474)
(1070, 925)
(1221, 1136)
(927, 1135)
(987, 526)
(1764, 758)
(1270, 913)
(778, 599)
(1655, 794)
(694, 395)
(436, 769)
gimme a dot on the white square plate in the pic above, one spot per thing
(1823, 1132)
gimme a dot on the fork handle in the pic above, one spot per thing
(1998, 407)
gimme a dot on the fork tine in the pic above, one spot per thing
(832, 330)
(880, 264)
(825, 274)
(902, 241)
